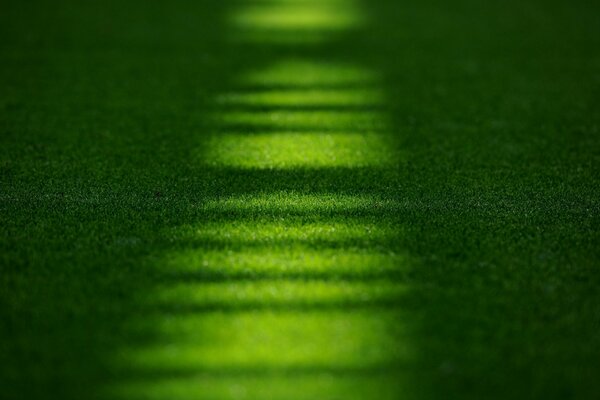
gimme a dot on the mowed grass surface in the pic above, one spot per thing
(299, 199)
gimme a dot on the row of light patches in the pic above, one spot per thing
(283, 294)
(300, 113)
(294, 22)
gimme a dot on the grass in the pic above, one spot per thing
(297, 149)
(299, 199)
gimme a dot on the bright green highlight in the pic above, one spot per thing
(309, 74)
(331, 339)
(287, 234)
(293, 16)
(296, 149)
(293, 120)
(296, 261)
(297, 203)
(329, 233)
(272, 294)
(267, 351)
(235, 264)
(308, 97)
(356, 385)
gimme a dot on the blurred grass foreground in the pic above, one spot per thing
(299, 199)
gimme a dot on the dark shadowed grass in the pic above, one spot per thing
(498, 104)
(100, 105)
(288, 201)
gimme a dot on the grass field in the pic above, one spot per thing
(299, 199)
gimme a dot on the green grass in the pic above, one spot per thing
(299, 199)
(297, 149)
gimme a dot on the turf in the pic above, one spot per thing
(299, 199)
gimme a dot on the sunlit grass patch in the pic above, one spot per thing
(307, 97)
(260, 354)
(309, 74)
(302, 384)
(263, 339)
(285, 202)
(293, 119)
(298, 15)
(299, 149)
(297, 262)
(275, 294)
(290, 232)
